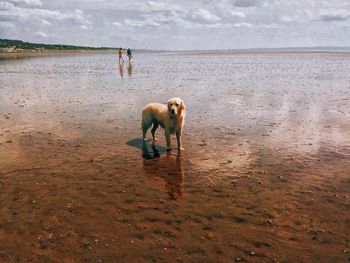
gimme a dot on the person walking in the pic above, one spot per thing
(128, 52)
(121, 55)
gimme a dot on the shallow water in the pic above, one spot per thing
(264, 175)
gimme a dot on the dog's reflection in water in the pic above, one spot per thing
(169, 168)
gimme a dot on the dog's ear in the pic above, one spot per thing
(169, 105)
(182, 106)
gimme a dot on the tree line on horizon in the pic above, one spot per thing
(18, 44)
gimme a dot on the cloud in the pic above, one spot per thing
(118, 24)
(161, 6)
(243, 24)
(44, 35)
(237, 14)
(270, 26)
(141, 23)
(44, 22)
(334, 18)
(6, 6)
(286, 19)
(245, 3)
(229, 25)
(86, 27)
(163, 16)
(27, 3)
(205, 16)
(334, 15)
(28, 14)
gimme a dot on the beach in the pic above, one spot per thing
(264, 176)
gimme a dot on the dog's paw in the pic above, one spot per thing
(181, 149)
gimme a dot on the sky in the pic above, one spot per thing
(178, 24)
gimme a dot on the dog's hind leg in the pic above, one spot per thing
(145, 127)
(153, 131)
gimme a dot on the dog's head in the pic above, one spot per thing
(176, 106)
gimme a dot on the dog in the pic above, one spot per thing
(171, 117)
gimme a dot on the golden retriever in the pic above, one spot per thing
(171, 117)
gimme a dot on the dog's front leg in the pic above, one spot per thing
(178, 138)
(168, 141)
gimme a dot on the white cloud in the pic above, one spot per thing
(237, 14)
(161, 6)
(23, 14)
(117, 24)
(29, 3)
(44, 35)
(141, 23)
(205, 16)
(271, 26)
(86, 27)
(243, 24)
(286, 19)
(45, 22)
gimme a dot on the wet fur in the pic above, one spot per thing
(170, 117)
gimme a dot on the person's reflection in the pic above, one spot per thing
(121, 69)
(129, 69)
(169, 168)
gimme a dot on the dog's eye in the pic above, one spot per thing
(176, 104)
(171, 104)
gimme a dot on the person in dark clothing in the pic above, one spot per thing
(128, 52)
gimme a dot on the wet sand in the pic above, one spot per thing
(264, 176)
